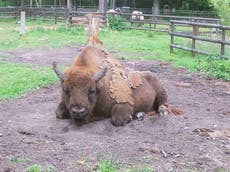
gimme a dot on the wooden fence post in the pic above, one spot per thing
(172, 28)
(23, 23)
(55, 15)
(194, 33)
(222, 42)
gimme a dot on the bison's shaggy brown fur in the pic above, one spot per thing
(97, 85)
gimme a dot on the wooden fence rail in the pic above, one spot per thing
(51, 14)
(194, 36)
(155, 22)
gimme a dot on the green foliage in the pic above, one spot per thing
(34, 168)
(223, 170)
(216, 67)
(223, 9)
(19, 160)
(38, 168)
(107, 166)
(17, 79)
(39, 35)
(116, 23)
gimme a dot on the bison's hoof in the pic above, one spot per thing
(139, 116)
(163, 110)
(121, 122)
(61, 116)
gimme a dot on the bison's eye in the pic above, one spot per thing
(91, 95)
(91, 91)
(66, 90)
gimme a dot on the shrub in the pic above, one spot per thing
(116, 23)
(223, 9)
(217, 67)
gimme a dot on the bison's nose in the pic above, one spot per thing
(78, 111)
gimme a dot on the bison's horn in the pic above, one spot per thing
(99, 75)
(59, 73)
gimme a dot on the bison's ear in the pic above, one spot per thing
(99, 75)
(59, 73)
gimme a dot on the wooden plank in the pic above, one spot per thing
(199, 38)
(196, 51)
(141, 28)
(201, 24)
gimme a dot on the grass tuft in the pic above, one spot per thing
(107, 166)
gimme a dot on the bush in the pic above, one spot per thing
(217, 67)
(116, 23)
(223, 9)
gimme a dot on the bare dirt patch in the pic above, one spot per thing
(198, 140)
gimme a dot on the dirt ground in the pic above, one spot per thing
(197, 141)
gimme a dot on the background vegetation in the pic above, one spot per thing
(177, 4)
(17, 79)
(223, 9)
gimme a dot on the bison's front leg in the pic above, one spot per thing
(61, 111)
(121, 114)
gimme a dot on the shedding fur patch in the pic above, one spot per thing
(122, 81)
(119, 88)
(135, 79)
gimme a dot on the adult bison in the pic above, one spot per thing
(97, 85)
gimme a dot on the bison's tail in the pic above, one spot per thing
(93, 31)
(173, 110)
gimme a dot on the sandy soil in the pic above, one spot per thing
(198, 140)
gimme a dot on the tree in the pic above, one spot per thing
(156, 7)
(102, 6)
(223, 9)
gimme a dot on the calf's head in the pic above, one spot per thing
(79, 89)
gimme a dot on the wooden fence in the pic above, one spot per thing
(158, 22)
(195, 35)
(51, 14)
(150, 22)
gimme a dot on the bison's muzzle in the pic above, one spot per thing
(78, 112)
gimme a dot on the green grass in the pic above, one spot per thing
(19, 160)
(107, 166)
(17, 79)
(152, 45)
(111, 166)
(39, 36)
(38, 168)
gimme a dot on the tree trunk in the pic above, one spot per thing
(69, 4)
(156, 7)
(112, 4)
(102, 6)
(36, 1)
(22, 3)
(31, 3)
(134, 4)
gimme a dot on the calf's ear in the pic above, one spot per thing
(58, 72)
(99, 75)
